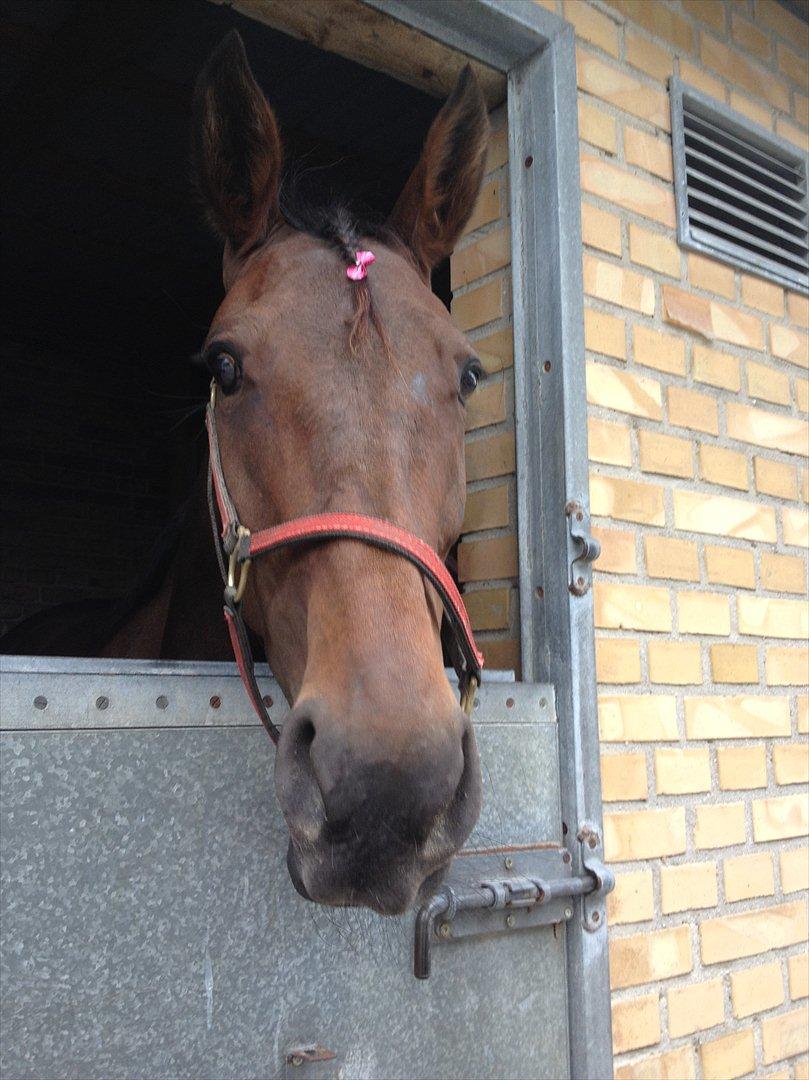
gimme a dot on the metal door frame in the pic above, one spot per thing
(537, 51)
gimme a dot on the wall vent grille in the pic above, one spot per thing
(740, 190)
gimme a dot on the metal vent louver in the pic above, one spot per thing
(740, 190)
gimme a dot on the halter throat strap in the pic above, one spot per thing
(236, 547)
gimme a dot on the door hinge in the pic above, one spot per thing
(508, 889)
(585, 549)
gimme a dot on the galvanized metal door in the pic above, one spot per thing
(149, 925)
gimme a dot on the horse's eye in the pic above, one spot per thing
(470, 377)
(226, 370)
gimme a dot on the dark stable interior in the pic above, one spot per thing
(110, 277)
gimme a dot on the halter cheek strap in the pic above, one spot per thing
(236, 547)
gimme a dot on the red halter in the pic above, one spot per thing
(241, 547)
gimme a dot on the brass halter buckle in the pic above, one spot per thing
(237, 584)
(468, 696)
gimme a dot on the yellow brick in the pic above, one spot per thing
(608, 443)
(798, 309)
(796, 527)
(612, 388)
(759, 114)
(689, 409)
(780, 818)
(600, 229)
(615, 86)
(763, 295)
(748, 36)
(801, 1069)
(612, 283)
(496, 350)
(487, 509)
(596, 126)
(802, 394)
(696, 1007)
(647, 152)
(649, 957)
(488, 609)
(734, 664)
(690, 885)
(768, 617)
(748, 876)
(794, 869)
(765, 384)
(791, 763)
(636, 718)
(703, 613)
(623, 777)
(487, 560)
(803, 714)
(675, 662)
(716, 368)
(626, 500)
(493, 456)
(794, 134)
(604, 333)
(741, 768)
(787, 667)
(617, 660)
(711, 12)
(502, 655)
(756, 989)
(635, 1023)
(670, 558)
(726, 1058)
(634, 193)
(673, 1065)
(631, 607)
(660, 20)
(721, 466)
(682, 772)
(783, 573)
(479, 306)
(644, 834)
(789, 344)
(655, 250)
(800, 108)
(736, 717)
(617, 551)
(592, 25)
(721, 515)
(487, 406)
(497, 152)
(665, 454)
(775, 431)
(776, 478)
(491, 252)
(643, 54)
(719, 826)
(792, 64)
(785, 1036)
(711, 319)
(699, 78)
(734, 66)
(730, 566)
(773, 16)
(753, 932)
(487, 208)
(660, 351)
(632, 899)
(798, 976)
(714, 277)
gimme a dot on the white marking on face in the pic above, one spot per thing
(418, 387)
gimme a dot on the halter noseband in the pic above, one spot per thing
(236, 547)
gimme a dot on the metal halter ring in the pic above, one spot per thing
(235, 590)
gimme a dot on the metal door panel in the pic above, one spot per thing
(150, 928)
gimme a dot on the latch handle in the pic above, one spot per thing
(586, 548)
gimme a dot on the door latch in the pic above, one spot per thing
(585, 548)
(506, 889)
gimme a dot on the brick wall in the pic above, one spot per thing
(698, 397)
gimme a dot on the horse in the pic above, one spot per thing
(340, 387)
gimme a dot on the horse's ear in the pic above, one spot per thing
(236, 148)
(439, 197)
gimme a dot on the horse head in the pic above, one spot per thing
(346, 392)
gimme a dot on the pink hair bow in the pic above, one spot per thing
(358, 271)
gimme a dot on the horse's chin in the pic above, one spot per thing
(396, 898)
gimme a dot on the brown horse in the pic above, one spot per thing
(337, 395)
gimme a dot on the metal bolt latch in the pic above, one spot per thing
(585, 548)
